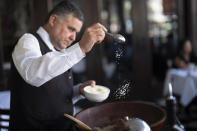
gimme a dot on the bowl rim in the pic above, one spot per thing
(159, 122)
(99, 94)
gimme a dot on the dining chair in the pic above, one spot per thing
(4, 119)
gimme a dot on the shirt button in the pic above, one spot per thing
(70, 77)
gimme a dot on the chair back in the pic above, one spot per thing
(4, 119)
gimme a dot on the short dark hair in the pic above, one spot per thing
(66, 7)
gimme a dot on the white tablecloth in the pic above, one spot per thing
(4, 104)
(4, 99)
(184, 84)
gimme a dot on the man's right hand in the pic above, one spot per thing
(92, 35)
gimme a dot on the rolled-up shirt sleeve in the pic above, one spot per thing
(76, 94)
(35, 68)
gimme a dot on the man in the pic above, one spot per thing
(41, 86)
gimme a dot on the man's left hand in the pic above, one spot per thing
(87, 83)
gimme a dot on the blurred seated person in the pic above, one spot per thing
(184, 55)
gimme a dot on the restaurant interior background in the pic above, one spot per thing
(152, 29)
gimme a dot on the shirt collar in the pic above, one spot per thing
(45, 37)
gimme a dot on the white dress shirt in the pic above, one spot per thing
(35, 68)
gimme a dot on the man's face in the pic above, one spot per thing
(64, 31)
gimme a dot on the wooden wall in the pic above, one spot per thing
(91, 10)
(142, 59)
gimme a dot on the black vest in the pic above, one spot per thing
(40, 108)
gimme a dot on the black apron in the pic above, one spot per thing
(40, 108)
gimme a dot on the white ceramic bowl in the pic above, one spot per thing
(97, 93)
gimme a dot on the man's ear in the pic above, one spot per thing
(52, 19)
